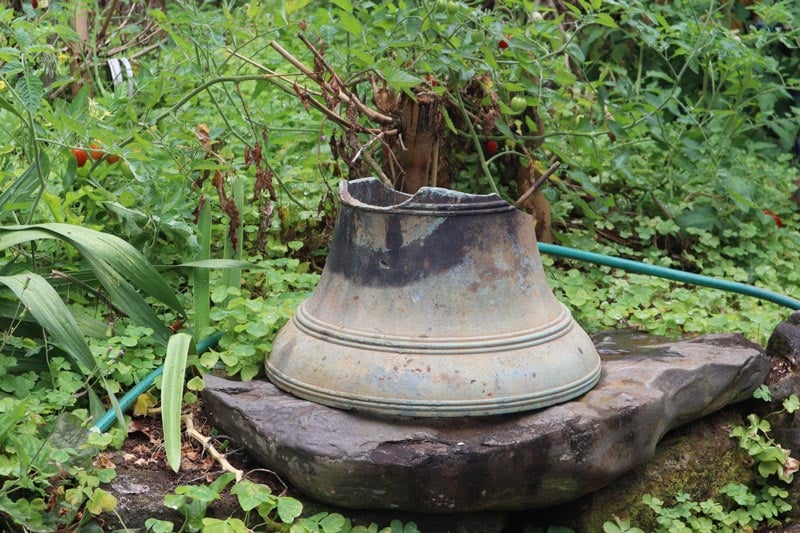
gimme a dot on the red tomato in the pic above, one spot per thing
(502, 44)
(776, 218)
(80, 156)
(96, 153)
(491, 147)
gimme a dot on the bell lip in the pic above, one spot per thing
(404, 406)
(426, 201)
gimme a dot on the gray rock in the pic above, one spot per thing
(140, 495)
(520, 461)
(785, 340)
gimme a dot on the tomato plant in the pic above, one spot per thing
(518, 104)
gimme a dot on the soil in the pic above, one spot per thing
(143, 476)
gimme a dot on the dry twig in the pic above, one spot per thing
(533, 188)
(192, 432)
(343, 93)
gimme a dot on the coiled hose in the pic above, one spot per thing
(629, 265)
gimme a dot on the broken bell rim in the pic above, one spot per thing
(468, 204)
(430, 309)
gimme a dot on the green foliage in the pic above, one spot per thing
(769, 457)
(620, 526)
(673, 131)
(192, 501)
(172, 395)
(262, 509)
(250, 317)
(749, 509)
(146, 198)
(46, 469)
(744, 508)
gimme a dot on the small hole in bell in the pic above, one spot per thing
(383, 264)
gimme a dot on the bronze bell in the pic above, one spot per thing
(434, 304)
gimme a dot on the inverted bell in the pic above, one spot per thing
(434, 304)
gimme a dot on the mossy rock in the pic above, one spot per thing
(699, 459)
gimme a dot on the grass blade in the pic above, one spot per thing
(232, 277)
(125, 296)
(10, 236)
(119, 267)
(22, 188)
(201, 292)
(209, 264)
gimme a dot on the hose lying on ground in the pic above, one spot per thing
(669, 273)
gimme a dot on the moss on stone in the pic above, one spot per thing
(698, 458)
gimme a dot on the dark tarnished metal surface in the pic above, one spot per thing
(432, 305)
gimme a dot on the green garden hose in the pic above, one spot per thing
(668, 273)
(127, 400)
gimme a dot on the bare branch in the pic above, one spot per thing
(533, 188)
(338, 119)
(296, 62)
(192, 432)
(372, 140)
(344, 94)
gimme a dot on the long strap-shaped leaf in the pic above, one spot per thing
(119, 267)
(53, 315)
(118, 253)
(172, 395)
(24, 185)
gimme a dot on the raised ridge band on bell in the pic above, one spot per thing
(427, 408)
(311, 325)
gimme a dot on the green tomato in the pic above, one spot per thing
(519, 104)
(452, 7)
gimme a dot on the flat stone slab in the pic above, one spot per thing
(518, 461)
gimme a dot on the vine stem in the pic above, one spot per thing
(38, 163)
(275, 78)
(107, 20)
(342, 93)
(533, 188)
(477, 142)
(199, 89)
